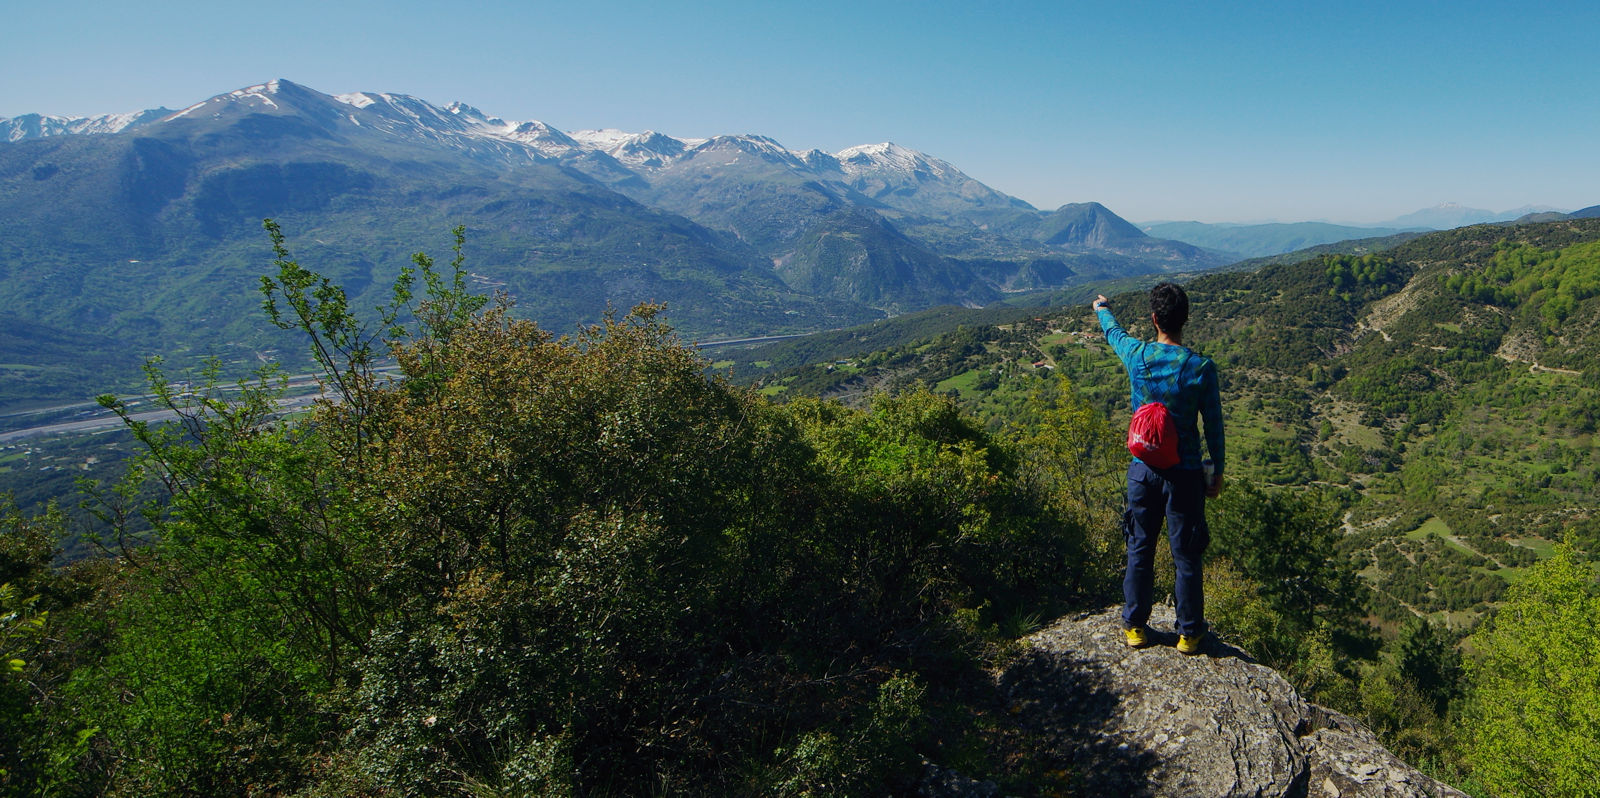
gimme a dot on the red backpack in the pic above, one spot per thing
(1153, 434)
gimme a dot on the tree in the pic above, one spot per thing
(1071, 451)
(1287, 543)
(1534, 713)
(39, 644)
(1278, 585)
(547, 565)
(21, 623)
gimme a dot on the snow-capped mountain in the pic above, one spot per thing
(400, 114)
(33, 126)
(258, 96)
(543, 138)
(649, 150)
(891, 158)
(749, 185)
(917, 183)
(690, 176)
(737, 234)
(771, 199)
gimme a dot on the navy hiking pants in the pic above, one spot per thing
(1177, 496)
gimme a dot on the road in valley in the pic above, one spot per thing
(91, 417)
(108, 420)
(100, 419)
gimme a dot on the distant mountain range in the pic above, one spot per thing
(125, 235)
(143, 229)
(1265, 240)
(1450, 215)
(33, 126)
(1261, 240)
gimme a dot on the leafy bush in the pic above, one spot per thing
(1288, 544)
(1548, 284)
(569, 565)
(41, 640)
(1534, 714)
(1279, 586)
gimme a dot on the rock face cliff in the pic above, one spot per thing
(1153, 722)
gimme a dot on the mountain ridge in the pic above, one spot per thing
(1263, 240)
(648, 148)
(142, 226)
(896, 177)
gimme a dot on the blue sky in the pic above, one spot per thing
(1160, 110)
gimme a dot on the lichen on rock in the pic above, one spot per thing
(1154, 722)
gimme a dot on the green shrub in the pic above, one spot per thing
(1533, 719)
(554, 565)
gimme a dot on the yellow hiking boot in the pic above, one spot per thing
(1137, 637)
(1191, 645)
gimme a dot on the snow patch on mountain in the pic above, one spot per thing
(755, 145)
(647, 150)
(541, 137)
(359, 99)
(473, 116)
(191, 109)
(257, 95)
(890, 157)
(34, 126)
(602, 139)
(460, 125)
(819, 161)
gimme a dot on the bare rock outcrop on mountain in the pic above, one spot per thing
(1153, 722)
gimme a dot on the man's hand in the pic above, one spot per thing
(1215, 488)
(1100, 302)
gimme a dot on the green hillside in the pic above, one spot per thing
(541, 565)
(1435, 404)
(858, 256)
(1446, 391)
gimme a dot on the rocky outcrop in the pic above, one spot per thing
(1153, 722)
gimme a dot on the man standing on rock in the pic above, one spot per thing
(1167, 372)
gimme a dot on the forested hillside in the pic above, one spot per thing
(1457, 370)
(1437, 403)
(579, 565)
(532, 565)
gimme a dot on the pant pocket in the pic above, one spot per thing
(1196, 538)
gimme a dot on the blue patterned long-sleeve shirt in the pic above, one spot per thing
(1178, 378)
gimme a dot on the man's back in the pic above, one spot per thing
(1180, 379)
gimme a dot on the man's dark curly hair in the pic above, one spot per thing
(1170, 305)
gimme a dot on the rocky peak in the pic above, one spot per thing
(474, 116)
(819, 161)
(543, 138)
(34, 126)
(723, 148)
(891, 157)
(1153, 722)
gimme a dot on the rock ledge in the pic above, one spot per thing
(1153, 722)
